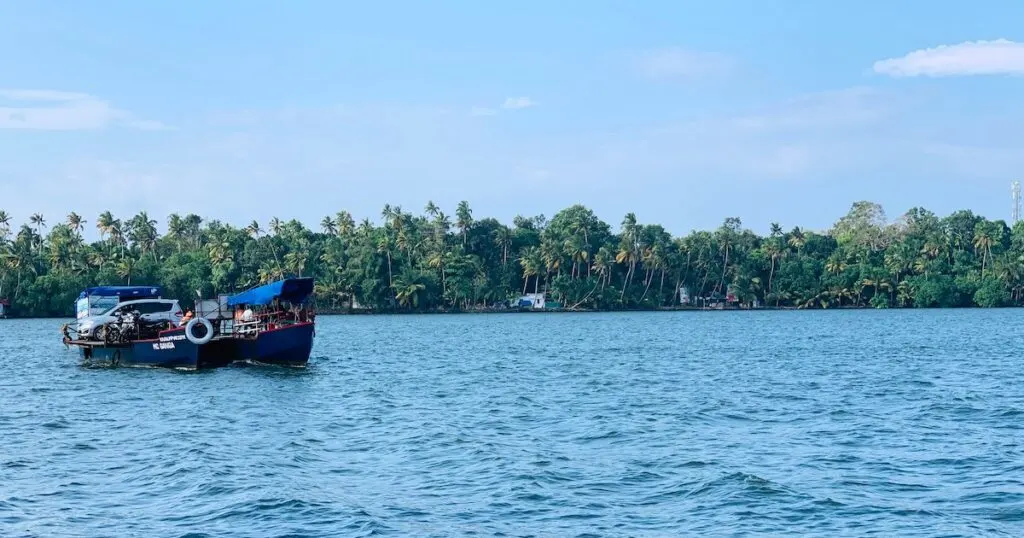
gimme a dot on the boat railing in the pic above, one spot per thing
(264, 321)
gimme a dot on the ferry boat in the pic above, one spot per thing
(270, 324)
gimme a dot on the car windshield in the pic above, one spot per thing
(102, 305)
(110, 311)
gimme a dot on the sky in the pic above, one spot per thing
(683, 112)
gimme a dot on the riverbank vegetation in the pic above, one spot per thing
(430, 261)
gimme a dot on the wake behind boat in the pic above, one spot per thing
(134, 326)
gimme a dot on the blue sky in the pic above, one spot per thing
(683, 112)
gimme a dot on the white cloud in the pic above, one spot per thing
(514, 103)
(676, 62)
(63, 111)
(999, 57)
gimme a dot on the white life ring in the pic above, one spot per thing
(192, 325)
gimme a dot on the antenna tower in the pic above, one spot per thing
(1015, 189)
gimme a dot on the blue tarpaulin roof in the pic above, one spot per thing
(134, 292)
(292, 290)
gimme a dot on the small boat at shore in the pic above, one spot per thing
(272, 324)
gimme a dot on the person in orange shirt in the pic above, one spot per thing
(186, 318)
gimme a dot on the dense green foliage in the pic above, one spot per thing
(430, 262)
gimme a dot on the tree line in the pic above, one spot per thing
(431, 261)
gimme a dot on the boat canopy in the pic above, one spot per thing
(292, 290)
(124, 292)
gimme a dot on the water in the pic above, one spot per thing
(902, 423)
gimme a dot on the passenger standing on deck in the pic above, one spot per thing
(275, 310)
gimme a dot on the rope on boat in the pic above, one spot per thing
(67, 337)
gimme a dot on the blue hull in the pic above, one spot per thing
(289, 345)
(165, 352)
(170, 350)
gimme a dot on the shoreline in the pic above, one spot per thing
(368, 312)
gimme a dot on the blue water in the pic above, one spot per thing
(901, 423)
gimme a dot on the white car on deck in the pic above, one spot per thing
(151, 310)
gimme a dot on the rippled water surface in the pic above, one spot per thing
(903, 423)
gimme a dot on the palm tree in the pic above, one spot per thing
(629, 249)
(109, 226)
(654, 260)
(578, 253)
(503, 238)
(295, 261)
(38, 221)
(142, 232)
(392, 216)
(879, 285)
(192, 229)
(431, 209)
(125, 267)
(345, 223)
(774, 250)
(921, 267)
(328, 226)
(5, 226)
(176, 229)
(268, 273)
(551, 253)
(385, 246)
(220, 252)
(407, 294)
(253, 230)
(983, 241)
(529, 262)
(96, 259)
(602, 264)
(1010, 273)
(441, 226)
(726, 236)
(15, 262)
(464, 219)
(365, 228)
(835, 265)
(76, 222)
(932, 248)
(105, 224)
(437, 261)
(797, 239)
